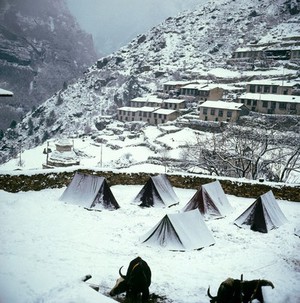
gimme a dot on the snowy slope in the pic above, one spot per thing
(193, 44)
(47, 246)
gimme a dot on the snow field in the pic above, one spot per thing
(47, 246)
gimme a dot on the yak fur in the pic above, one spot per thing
(238, 291)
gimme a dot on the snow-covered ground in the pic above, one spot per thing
(47, 246)
(115, 153)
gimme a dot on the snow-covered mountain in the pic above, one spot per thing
(195, 44)
(41, 47)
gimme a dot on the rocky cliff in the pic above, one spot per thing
(41, 48)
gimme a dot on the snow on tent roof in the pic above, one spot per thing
(90, 192)
(263, 215)
(157, 191)
(180, 231)
(211, 201)
(5, 93)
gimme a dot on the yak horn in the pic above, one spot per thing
(208, 293)
(121, 273)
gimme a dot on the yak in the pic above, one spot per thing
(136, 281)
(239, 291)
(229, 292)
(252, 290)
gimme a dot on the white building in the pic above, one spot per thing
(220, 111)
(151, 115)
(272, 103)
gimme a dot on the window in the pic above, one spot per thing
(274, 89)
(273, 105)
(282, 105)
(212, 111)
(292, 106)
(258, 88)
(266, 89)
(248, 102)
(254, 103)
(265, 104)
(204, 111)
(252, 88)
(229, 114)
(220, 113)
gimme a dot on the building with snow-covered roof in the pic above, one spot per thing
(272, 86)
(222, 111)
(285, 48)
(271, 103)
(175, 104)
(201, 92)
(150, 100)
(151, 115)
(174, 86)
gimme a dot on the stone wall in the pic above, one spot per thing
(21, 182)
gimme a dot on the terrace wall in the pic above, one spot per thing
(21, 182)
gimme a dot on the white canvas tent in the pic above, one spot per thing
(211, 201)
(157, 191)
(90, 192)
(180, 231)
(263, 215)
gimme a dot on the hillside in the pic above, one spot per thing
(195, 44)
(41, 47)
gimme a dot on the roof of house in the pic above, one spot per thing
(148, 109)
(5, 93)
(273, 82)
(271, 97)
(202, 87)
(164, 111)
(250, 49)
(129, 109)
(222, 105)
(174, 101)
(177, 82)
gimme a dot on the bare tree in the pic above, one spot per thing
(238, 152)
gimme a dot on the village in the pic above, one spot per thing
(214, 101)
(221, 102)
